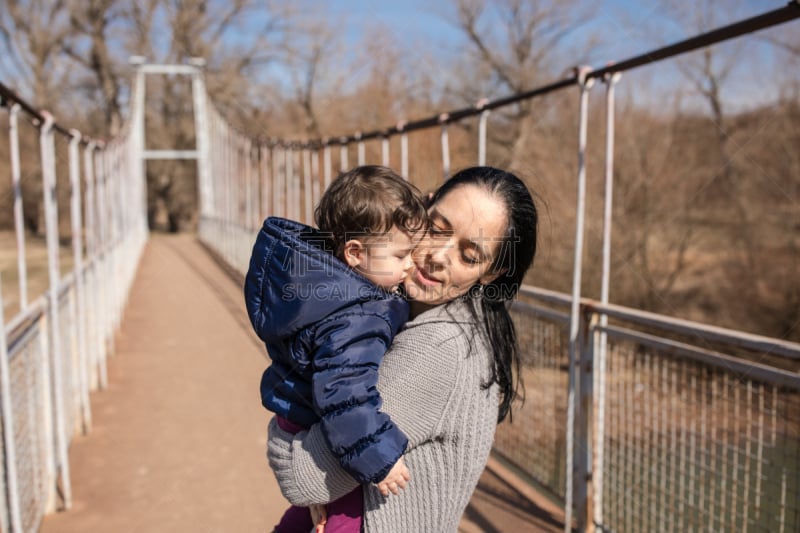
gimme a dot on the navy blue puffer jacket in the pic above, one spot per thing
(326, 329)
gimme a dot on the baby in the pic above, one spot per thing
(325, 303)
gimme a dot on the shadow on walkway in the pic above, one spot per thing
(178, 437)
(502, 502)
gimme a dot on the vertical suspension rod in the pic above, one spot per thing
(326, 162)
(362, 155)
(19, 224)
(47, 145)
(77, 262)
(484, 117)
(15, 516)
(600, 367)
(385, 151)
(574, 324)
(343, 164)
(445, 146)
(403, 149)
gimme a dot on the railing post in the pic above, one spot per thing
(385, 151)
(326, 163)
(583, 422)
(573, 395)
(275, 158)
(307, 190)
(254, 160)
(247, 177)
(92, 330)
(80, 288)
(47, 145)
(315, 185)
(242, 189)
(46, 399)
(445, 146)
(265, 165)
(15, 517)
(103, 277)
(215, 164)
(484, 117)
(362, 155)
(403, 149)
(230, 172)
(343, 164)
(288, 172)
(138, 163)
(296, 168)
(19, 224)
(600, 361)
(115, 214)
(202, 140)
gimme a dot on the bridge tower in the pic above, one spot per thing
(194, 68)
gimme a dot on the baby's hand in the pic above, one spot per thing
(395, 480)
(319, 516)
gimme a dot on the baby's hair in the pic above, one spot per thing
(369, 200)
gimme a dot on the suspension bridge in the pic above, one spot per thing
(128, 387)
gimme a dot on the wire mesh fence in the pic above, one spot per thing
(54, 345)
(699, 433)
(30, 385)
(534, 439)
(697, 445)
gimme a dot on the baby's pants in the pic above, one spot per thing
(344, 515)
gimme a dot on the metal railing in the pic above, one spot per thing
(633, 421)
(686, 427)
(53, 349)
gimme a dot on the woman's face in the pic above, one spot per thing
(467, 229)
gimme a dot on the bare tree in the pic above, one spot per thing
(91, 20)
(708, 71)
(200, 28)
(771, 164)
(518, 55)
(655, 233)
(309, 53)
(32, 33)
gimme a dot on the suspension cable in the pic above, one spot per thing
(772, 18)
(7, 96)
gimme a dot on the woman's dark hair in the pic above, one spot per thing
(515, 255)
(369, 200)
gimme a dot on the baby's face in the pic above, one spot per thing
(387, 258)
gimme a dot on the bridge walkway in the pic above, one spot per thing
(178, 436)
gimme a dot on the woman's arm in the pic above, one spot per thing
(416, 381)
(305, 468)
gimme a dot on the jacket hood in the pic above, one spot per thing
(293, 281)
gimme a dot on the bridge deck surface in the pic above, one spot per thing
(178, 436)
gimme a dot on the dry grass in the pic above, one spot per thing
(36, 268)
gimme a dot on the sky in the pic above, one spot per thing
(626, 28)
(623, 22)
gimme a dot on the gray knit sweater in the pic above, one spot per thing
(430, 382)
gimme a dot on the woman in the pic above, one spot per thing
(452, 373)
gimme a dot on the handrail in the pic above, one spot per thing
(751, 369)
(750, 341)
(8, 95)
